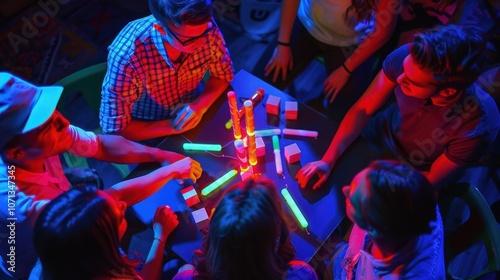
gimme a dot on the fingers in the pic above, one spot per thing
(320, 182)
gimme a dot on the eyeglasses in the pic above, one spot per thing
(190, 40)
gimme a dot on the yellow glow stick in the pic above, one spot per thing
(295, 209)
(219, 182)
(252, 146)
(233, 109)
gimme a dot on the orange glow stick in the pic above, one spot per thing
(252, 146)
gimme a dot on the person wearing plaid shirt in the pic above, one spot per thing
(155, 67)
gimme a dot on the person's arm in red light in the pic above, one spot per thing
(350, 128)
(115, 148)
(441, 169)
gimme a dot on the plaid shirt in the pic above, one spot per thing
(142, 83)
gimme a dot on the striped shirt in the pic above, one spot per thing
(142, 83)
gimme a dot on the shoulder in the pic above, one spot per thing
(393, 63)
(135, 30)
(185, 275)
(300, 270)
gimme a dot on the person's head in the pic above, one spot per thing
(184, 24)
(77, 236)
(390, 199)
(248, 237)
(31, 128)
(443, 61)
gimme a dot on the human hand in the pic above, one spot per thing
(281, 61)
(321, 168)
(335, 82)
(186, 168)
(164, 222)
(186, 117)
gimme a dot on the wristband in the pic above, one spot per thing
(283, 44)
(162, 241)
(346, 69)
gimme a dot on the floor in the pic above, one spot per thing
(108, 17)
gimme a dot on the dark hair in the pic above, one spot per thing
(181, 12)
(76, 237)
(248, 237)
(402, 201)
(453, 54)
(362, 8)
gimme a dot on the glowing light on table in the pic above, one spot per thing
(300, 132)
(242, 155)
(295, 209)
(233, 109)
(256, 98)
(252, 146)
(267, 132)
(277, 155)
(219, 182)
(202, 147)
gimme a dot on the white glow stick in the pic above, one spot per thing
(277, 155)
(267, 132)
(300, 132)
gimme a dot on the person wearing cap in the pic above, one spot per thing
(156, 66)
(33, 136)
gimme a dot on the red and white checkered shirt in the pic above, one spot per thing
(142, 83)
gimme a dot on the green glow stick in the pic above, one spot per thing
(219, 182)
(202, 147)
(295, 209)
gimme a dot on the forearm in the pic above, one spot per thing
(288, 14)
(214, 87)
(153, 265)
(385, 23)
(135, 190)
(142, 130)
(349, 129)
(115, 148)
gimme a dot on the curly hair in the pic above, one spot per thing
(248, 237)
(76, 237)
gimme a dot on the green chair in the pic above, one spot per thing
(88, 83)
(479, 228)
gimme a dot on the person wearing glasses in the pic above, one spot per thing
(441, 119)
(156, 68)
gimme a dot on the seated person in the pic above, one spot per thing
(441, 120)
(248, 238)
(155, 67)
(346, 33)
(397, 232)
(33, 136)
(77, 236)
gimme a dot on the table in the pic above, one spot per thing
(323, 208)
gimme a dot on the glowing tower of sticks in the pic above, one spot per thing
(252, 147)
(233, 108)
(242, 155)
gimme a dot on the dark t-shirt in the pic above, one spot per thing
(422, 131)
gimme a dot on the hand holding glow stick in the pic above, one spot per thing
(277, 155)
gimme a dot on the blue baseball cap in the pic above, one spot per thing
(23, 106)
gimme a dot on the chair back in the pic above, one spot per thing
(479, 227)
(88, 82)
